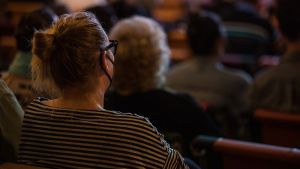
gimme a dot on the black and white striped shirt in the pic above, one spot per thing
(65, 138)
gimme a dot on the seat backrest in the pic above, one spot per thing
(279, 128)
(246, 38)
(248, 155)
(17, 166)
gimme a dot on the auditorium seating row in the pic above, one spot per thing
(279, 128)
(17, 166)
(221, 153)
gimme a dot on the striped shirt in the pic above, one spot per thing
(67, 138)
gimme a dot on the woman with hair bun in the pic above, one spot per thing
(73, 61)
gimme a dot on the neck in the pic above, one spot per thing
(74, 99)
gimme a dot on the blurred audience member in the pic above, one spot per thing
(18, 77)
(205, 78)
(128, 8)
(224, 8)
(7, 51)
(73, 130)
(149, 5)
(106, 14)
(11, 116)
(249, 35)
(6, 25)
(139, 84)
(278, 88)
(59, 9)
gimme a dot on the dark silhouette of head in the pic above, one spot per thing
(288, 15)
(106, 16)
(204, 32)
(59, 9)
(30, 23)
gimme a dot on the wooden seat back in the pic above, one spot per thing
(17, 166)
(246, 155)
(235, 154)
(279, 128)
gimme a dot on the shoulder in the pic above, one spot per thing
(133, 118)
(4, 89)
(282, 74)
(18, 84)
(180, 100)
(97, 117)
(175, 95)
(182, 67)
(269, 74)
(185, 64)
(237, 75)
(126, 125)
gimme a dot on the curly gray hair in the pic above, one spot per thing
(143, 55)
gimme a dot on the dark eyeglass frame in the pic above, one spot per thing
(112, 44)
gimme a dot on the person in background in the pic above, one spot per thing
(7, 27)
(277, 88)
(139, 83)
(149, 5)
(58, 9)
(249, 35)
(106, 14)
(203, 76)
(18, 77)
(128, 8)
(11, 116)
(72, 129)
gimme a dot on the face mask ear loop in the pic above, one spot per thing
(106, 73)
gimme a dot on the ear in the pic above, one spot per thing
(103, 61)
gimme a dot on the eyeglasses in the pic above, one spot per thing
(113, 45)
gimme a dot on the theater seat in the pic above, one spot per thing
(279, 128)
(236, 154)
(17, 166)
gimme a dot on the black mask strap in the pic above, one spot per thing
(106, 73)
